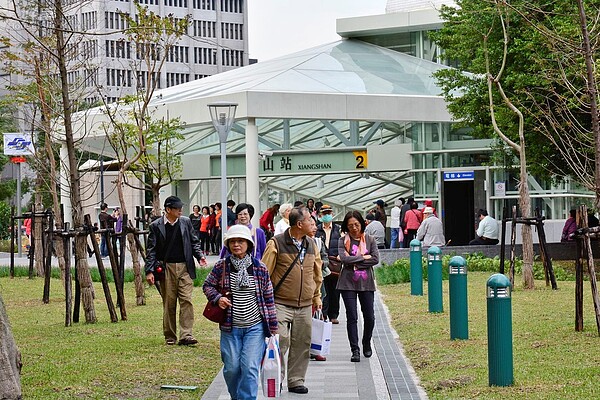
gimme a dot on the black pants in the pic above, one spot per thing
(205, 242)
(410, 235)
(368, 311)
(331, 302)
(483, 241)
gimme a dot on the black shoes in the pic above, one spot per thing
(355, 356)
(298, 389)
(367, 351)
(187, 341)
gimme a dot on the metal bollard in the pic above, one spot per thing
(459, 313)
(499, 325)
(434, 279)
(416, 268)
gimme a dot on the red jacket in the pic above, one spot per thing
(266, 221)
(413, 219)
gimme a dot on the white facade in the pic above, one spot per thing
(216, 41)
(103, 63)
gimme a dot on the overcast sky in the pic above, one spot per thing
(279, 27)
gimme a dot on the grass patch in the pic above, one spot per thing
(551, 360)
(124, 360)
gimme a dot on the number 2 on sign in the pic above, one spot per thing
(361, 159)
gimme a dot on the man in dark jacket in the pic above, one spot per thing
(172, 246)
(295, 293)
(106, 221)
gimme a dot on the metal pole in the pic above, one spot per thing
(19, 209)
(223, 191)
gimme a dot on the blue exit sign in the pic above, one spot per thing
(459, 176)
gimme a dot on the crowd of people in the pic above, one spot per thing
(272, 279)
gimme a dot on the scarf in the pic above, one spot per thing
(240, 267)
(359, 250)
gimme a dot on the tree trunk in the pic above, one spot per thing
(140, 298)
(53, 184)
(525, 205)
(38, 232)
(592, 92)
(156, 208)
(83, 271)
(10, 360)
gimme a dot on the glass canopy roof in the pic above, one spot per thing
(346, 67)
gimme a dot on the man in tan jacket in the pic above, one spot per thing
(294, 264)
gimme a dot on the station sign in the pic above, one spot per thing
(459, 176)
(18, 144)
(296, 163)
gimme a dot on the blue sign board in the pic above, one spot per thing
(459, 176)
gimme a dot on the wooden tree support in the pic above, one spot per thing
(109, 302)
(584, 255)
(538, 222)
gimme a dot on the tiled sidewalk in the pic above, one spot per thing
(386, 375)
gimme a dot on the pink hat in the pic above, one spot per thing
(429, 203)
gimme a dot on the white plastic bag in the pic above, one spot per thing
(320, 342)
(270, 370)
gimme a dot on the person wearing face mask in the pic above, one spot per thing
(330, 235)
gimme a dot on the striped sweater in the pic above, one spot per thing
(263, 288)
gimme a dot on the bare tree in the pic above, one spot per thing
(140, 142)
(48, 30)
(495, 82)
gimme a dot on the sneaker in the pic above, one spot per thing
(170, 342)
(320, 358)
(355, 356)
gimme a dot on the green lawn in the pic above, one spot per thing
(551, 360)
(124, 360)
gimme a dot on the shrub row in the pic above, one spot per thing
(399, 271)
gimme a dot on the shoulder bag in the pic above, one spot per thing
(212, 311)
(276, 288)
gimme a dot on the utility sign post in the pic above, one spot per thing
(18, 145)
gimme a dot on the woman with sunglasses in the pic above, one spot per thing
(358, 253)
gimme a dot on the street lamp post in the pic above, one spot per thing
(222, 114)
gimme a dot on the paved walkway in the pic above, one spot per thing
(386, 375)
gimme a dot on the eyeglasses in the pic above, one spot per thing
(243, 214)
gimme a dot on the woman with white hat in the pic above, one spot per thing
(251, 314)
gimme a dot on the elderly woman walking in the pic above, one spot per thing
(358, 253)
(251, 314)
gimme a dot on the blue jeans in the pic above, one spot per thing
(103, 246)
(242, 350)
(395, 244)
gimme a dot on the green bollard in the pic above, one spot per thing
(416, 268)
(434, 279)
(499, 326)
(459, 313)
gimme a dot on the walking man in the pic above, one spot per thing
(106, 221)
(172, 246)
(294, 264)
